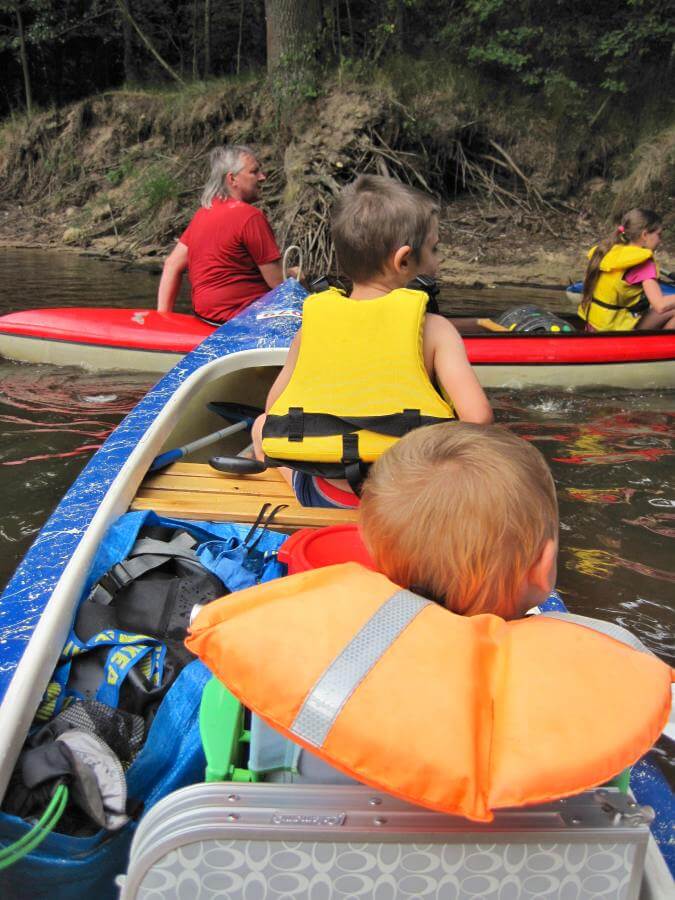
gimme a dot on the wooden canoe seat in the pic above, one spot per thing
(196, 491)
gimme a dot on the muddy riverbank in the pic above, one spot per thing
(523, 195)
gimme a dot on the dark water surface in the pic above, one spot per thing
(612, 453)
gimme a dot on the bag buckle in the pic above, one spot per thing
(110, 584)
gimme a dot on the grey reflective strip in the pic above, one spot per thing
(609, 628)
(342, 677)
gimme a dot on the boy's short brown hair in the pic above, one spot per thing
(372, 218)
(460, 513)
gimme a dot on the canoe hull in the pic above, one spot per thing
(92, 357)
(655, 375)
(148, 341)
(38, 603)
(104, 339)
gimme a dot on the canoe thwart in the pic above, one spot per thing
(197, 491)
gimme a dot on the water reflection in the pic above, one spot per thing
(612, 459)
(51, 421)
(64, 406)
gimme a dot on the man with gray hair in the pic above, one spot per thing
(228, 247)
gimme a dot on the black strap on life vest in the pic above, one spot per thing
(298, 424)
(355, 469)
(639, 306)
(427, 284)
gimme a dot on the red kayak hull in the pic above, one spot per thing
(570, 349)
(133, 329)
(149, 330)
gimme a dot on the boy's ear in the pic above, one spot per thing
(401, 260)
(542, 574)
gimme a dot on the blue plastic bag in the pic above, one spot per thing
(72, 868)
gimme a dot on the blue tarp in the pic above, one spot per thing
(72, 868)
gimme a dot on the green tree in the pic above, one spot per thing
(615, 45)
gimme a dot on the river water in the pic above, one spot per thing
(612, 452)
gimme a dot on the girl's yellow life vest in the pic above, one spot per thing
(460, 714)
(613, 298)
(358, 385)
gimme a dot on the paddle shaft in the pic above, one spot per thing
(172, 455)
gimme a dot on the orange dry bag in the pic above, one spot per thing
(460, 714)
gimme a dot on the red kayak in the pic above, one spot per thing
(101, 339)
(146, 340)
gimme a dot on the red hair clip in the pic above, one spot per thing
(621, 229)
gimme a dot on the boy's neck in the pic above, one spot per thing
(375, 287)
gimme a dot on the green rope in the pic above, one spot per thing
(16, 851)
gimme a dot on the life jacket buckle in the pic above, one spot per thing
(296, 424)
(412, 419)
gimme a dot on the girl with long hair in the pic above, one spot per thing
(621, 288)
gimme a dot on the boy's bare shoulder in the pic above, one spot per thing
(439, 328)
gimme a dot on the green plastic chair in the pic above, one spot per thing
(224, 737)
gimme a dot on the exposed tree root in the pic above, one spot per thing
(373, 139)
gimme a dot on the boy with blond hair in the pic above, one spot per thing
(465, 515)
(366, 369)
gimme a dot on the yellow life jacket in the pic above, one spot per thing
(358, 385)
(460, 714)
(616, 304)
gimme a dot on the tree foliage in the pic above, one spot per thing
(61, 50)
(615, 45)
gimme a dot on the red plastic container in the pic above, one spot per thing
(312, 548)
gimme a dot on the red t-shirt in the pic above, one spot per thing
(226, 244)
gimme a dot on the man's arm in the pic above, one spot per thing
(172, 275)
(454, 373)
(258, 239)
(272, 273)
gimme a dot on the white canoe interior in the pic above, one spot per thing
(243, 377)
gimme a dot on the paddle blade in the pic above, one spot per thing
(165, 459)
(237, 465)
(235, 412)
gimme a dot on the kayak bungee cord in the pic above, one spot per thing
(50, 818)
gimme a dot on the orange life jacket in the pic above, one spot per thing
(460, 714)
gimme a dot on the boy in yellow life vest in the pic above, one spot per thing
(367, 368)
(423, 678)
(621, 288)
